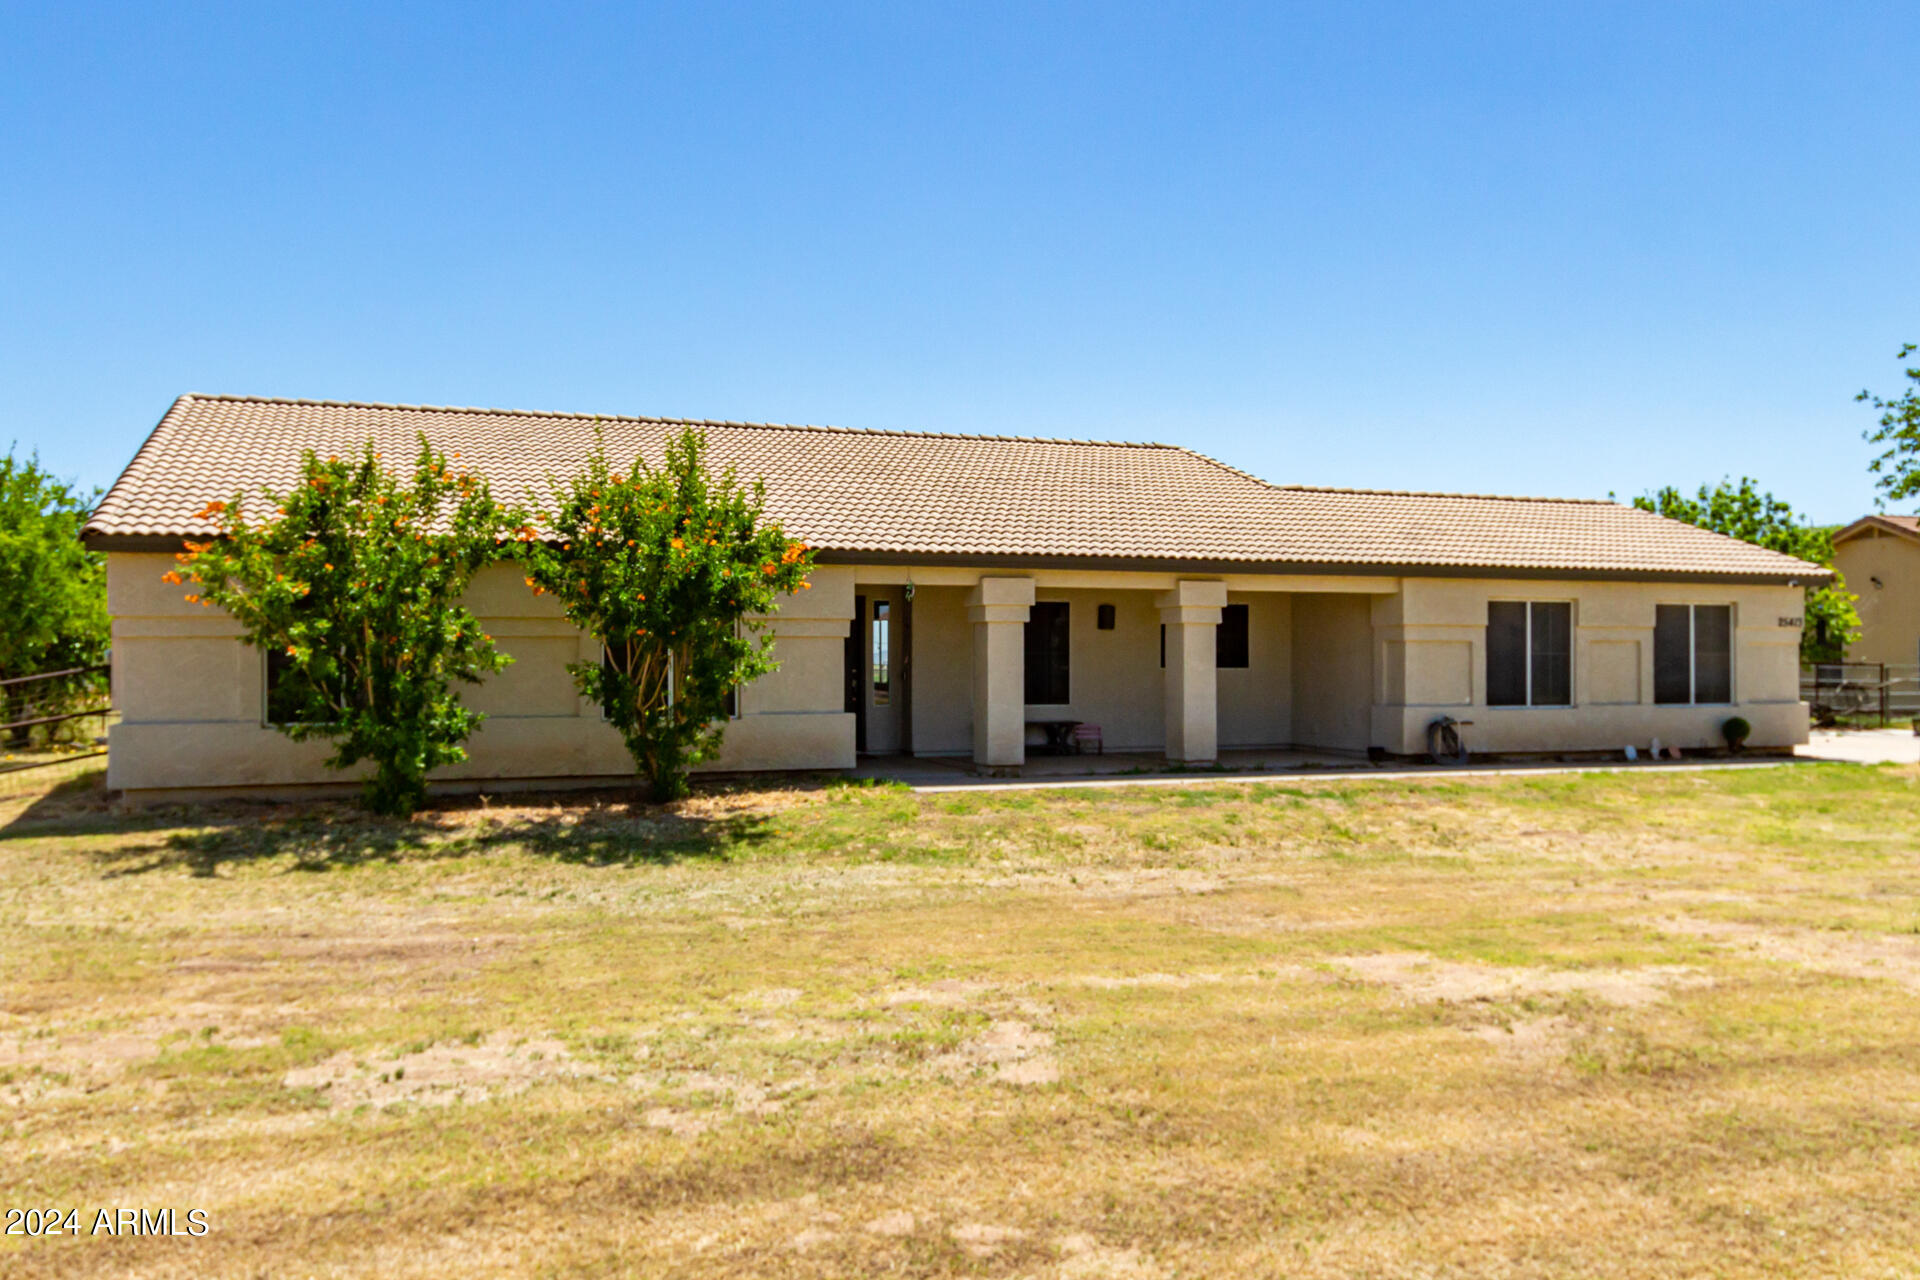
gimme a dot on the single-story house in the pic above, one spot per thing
(1879, 556)
(969, 586)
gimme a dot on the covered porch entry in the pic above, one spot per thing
(1153, 667)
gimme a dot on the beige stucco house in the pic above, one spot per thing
(972, 589)
(1879, 556)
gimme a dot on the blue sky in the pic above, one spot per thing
(1548, 248)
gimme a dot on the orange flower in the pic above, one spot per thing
(171, 576)
(211, 509)
(678, 545)
(193, 599)
(292, 652)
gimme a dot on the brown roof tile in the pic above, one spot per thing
(904, 494)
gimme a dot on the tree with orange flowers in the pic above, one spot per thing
(673, 569)
(351, 583)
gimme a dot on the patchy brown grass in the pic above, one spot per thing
(1629, 1025)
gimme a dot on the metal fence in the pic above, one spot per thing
(47, 719)
(1861, 692)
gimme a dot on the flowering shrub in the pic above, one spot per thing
(354, 585)
(666, 568)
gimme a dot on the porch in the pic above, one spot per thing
(988, 676)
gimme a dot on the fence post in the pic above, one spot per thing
(1883, 695)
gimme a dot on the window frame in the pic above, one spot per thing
(880, 652)
(267, 656)
(1065, 689)
(733, 695)
(1526, 653)
(1692, 699)
(1245, 615)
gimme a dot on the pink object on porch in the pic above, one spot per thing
(1085, 733)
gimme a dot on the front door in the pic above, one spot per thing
(885, 686)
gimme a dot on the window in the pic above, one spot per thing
(285, 696)
(1693, 653)
(289, 697)
(880, 664)
(621, 651)
(1047, 654)
(1103, 617)
(1230, 637)
(1529, 653)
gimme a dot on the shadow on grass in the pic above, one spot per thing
(583, 829)
(328, 842)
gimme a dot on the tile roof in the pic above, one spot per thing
(1909, 525)
(904, 495)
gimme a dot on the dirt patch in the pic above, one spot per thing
(1534, 1041)
(1084, 1258)
(65, 1062)
(1846, 954)
(983, 1239)
(898, 1223)
(1425, 978)
(440, 1074)
(947, 993)
(1015, 1052)
(681, 1124)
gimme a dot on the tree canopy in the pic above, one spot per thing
(353, 589)
(671, 569)
(1896, 470)
(53, 594)
(1742, 511)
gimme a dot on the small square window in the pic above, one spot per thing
(1103, 617)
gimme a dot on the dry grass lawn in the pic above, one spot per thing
(1639, 1025)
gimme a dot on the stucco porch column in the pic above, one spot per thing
(1191, 614)
(998, 609)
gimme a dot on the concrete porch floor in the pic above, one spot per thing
(925, 770)
(1124, 768)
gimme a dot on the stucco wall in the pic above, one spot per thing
(1332, 675)
(1346, 665)
(1256, 701)
(1890, 612)
(191, 693)
(942, 672)
(1431, 640)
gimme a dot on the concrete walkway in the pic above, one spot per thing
(1070, 773)
(1863, 746)
(1142, 769)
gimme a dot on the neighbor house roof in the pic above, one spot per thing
(901, 495)
(1908, 526)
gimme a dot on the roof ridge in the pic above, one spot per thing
(682, 422)
(1436, 493)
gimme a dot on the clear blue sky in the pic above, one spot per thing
(1519, 248)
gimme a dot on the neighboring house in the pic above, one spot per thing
(969, 586)
(1879, 556)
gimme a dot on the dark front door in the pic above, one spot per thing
(857, 672)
